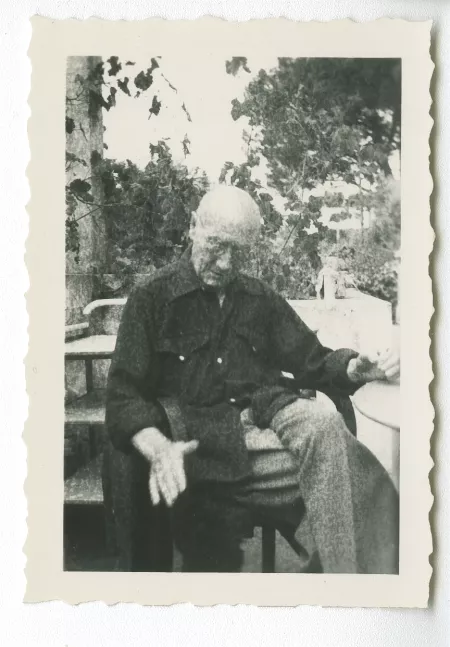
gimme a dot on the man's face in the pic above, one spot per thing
(219, 253)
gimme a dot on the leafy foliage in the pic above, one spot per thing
(70, 125)
(123, 85)
(145, 79)
(318, 122)
(148, 212)
(289, 265)
(324, 120)
(312, 122)
(114, 64)
(236, 63)
(99, 89)
(72, 159)
(155, 107)
(370, 253)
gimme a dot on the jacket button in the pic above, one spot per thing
(181, 358)
(219, 360)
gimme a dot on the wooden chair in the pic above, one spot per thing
(85, 486)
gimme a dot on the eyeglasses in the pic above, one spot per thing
(218, 247)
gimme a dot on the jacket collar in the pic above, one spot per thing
(244, 283)
(184, 279)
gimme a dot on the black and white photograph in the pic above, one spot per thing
(234, 364)
(232, 310)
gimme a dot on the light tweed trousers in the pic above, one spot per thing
(352, 506)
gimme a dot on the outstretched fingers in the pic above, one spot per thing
(167, 476)
(153, 487)
(189, 447)
(179, 475)
(389, 362)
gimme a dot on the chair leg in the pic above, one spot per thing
(268, 549)
(92, 442)
(295, 545)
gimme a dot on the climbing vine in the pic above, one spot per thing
(98, 89)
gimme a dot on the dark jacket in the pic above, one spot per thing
(176, 341)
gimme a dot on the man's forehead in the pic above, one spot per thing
(226, 231)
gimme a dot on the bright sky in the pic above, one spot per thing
(206, 90)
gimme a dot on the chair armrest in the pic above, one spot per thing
(76, 330)
(344, 405)
(102, 303)
(342, 402)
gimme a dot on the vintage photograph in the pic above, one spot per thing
(232, 314)
(230, 308)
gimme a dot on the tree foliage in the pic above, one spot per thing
(148, 212)
(235, 64)
(325, 119)
(370, 253)
(321, 122)
(311, 122)
(98, 89)
(288, 264)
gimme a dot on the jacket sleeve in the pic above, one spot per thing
(298, 351)
(131, 401)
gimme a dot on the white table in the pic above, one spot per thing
(378, 412)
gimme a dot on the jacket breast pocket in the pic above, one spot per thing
(182, 345)
(179, 359)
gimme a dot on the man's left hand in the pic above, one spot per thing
(382, 366)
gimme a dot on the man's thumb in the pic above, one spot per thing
(188, 448)
(368, 358)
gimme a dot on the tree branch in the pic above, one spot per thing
(100, 206)
(172, 87)
(88, 213)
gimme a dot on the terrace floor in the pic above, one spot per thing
(85, 546)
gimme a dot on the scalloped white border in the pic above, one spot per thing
(51, 42)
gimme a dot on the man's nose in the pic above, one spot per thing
(224, 262)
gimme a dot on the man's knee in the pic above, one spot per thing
(328, 423)
(306, 421)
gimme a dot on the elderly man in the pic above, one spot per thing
(197, 372)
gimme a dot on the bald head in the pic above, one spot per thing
(227, 207)
(223, 229)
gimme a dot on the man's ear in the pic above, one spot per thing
(192, 224)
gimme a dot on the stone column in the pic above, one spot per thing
(85, 141)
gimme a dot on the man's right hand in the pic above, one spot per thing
(166, 458)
